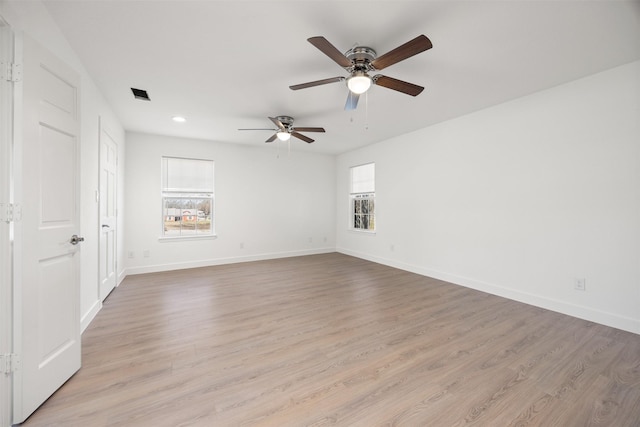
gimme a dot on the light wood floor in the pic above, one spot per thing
(335, 340)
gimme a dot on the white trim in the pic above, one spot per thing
(187, 237)
(605, 318)
(222, 261)
(362, 231)
(121, 276)
(6, 253)
(17, 227)
(103, 128)
(88, 317)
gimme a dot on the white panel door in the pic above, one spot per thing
(108, 210)
(48, 305)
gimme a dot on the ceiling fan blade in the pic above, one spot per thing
(352, 101)
(330, 50)
(277, 122)
(407, 50)
(308, 129)
(273, 138)
(399, 85)
(302, 137)
(317, 83)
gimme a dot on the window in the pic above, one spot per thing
(187, 197)
(363, 197)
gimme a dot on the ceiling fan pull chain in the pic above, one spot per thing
(366, 110)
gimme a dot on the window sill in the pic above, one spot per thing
(365, 232)
(183, 238)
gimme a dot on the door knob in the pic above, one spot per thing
(105, 226)
(75, 239)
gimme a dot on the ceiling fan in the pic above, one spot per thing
(360, 60)
(286, 130)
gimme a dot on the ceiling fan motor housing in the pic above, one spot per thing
(361, 56)
(287, 122)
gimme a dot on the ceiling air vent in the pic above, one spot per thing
(140, 94)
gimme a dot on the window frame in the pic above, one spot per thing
(356, 197)
(194, 195)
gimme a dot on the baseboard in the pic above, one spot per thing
(89, 315)
(121, 276)
(221, 261)
(586, 313)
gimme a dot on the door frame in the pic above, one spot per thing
(102, 128)
(7, 125)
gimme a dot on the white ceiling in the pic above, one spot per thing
(226, 65)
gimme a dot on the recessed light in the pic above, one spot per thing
(179, 119)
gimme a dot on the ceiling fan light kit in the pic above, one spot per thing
(359, 82)
(283, 136)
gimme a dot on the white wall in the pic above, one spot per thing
(265, 206)
(518, 200)
(32, 19)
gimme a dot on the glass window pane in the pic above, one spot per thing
(172, 216)
(187, 216)
(204, 217)
(188, 224)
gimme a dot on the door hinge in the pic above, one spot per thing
(10, 212)
(11, 72)
(9, 363)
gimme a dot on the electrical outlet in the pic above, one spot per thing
(241, 245)
(132, 254)
(579, 284)
(146, 253)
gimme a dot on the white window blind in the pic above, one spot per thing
(363, 178)
(187, 175)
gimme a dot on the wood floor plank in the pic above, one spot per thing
(332, 340)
